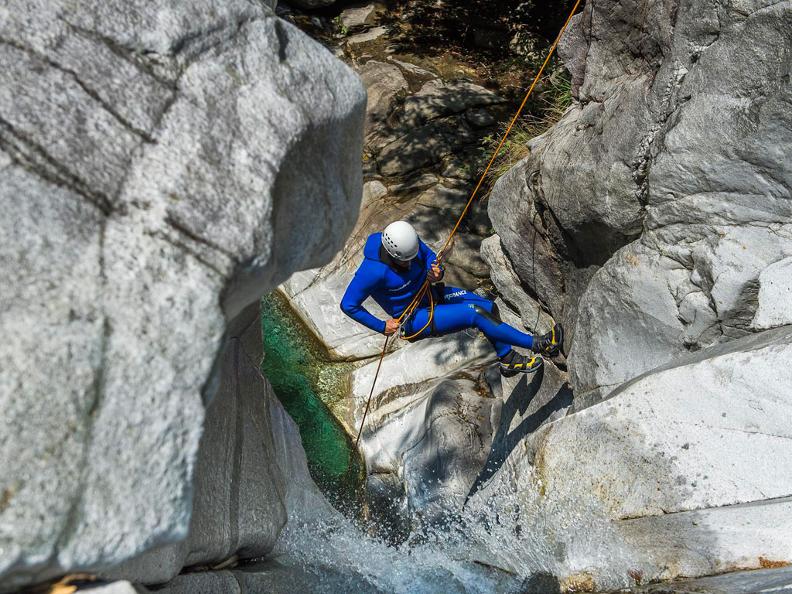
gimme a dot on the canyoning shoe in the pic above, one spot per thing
(549, 344)
(513, 363)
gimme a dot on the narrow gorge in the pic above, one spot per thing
(187, 188)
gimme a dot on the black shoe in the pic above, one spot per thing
(550, 344)
(513, 363)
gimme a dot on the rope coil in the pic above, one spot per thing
(426, 286)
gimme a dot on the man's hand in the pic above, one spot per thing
(391, 326)
(435, 273)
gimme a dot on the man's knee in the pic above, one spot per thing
(491, 316)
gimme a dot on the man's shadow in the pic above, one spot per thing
(504, 442)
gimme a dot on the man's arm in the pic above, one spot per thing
(357, 292)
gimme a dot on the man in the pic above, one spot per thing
(396, 263)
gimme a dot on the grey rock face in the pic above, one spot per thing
(150, 159)
(683, 471)
(661, 196)
(426, 442)
(504, 277)
(239, 504)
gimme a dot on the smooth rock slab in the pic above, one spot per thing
(416, 363)
(683, 471)
(426, 449)
(315, 298)
(775, 296)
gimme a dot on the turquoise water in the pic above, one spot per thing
(308, 384)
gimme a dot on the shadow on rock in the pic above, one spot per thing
(506, 440)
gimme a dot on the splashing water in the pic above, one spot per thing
(510, 537)
(507, 540)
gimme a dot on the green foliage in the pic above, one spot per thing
(341, 28)
(548, 107)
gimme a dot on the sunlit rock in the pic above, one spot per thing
(152, 157)
(668, 172)
(684, 471)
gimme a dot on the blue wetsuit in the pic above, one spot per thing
(394, 289)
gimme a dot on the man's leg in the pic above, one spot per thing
(487, 309)
(453, 317)
(503, 336)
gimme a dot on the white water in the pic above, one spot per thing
(507, 526)
(509, 538)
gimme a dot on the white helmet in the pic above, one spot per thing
(400, 240)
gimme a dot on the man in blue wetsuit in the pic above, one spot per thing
(396, 263)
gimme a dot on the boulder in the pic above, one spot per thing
(146, 197)
(683, 471)
(646, 216)
(410, 148)
(357, 17)
(437, 98)
(677, 289)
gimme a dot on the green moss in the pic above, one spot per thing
(308, 385)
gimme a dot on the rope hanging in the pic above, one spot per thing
(425, 287)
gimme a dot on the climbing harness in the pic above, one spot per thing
(426, 287)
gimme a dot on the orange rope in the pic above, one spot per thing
(431, 314)
(508, 130)
(410, 309)
(371, 393)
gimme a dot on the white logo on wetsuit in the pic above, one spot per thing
(456, 294)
